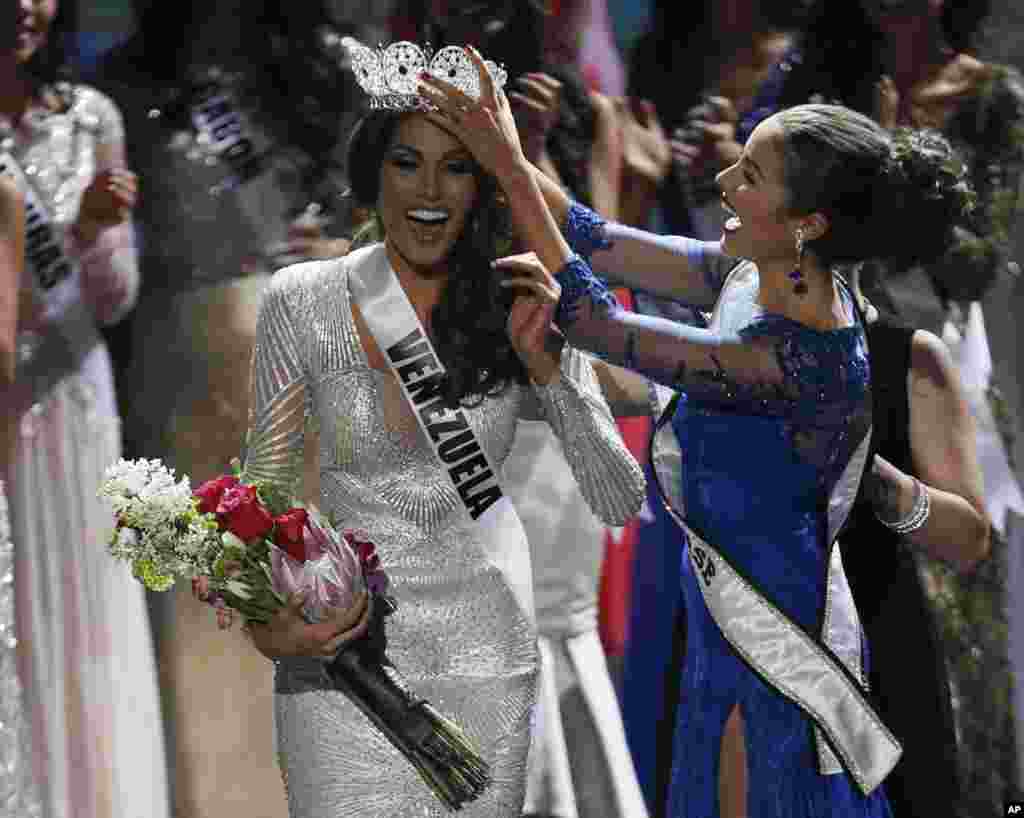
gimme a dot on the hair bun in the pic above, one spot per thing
(924, 194)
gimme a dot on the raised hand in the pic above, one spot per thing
(530, 329)
(707, 143)
(537, 107)
(646, 152)
(107, 201)
(486, 126)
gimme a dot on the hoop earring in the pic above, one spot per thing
(797, 273)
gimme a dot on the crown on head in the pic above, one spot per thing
(390, 75)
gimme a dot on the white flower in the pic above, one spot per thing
(145, 493)
(125, 544)
(127, 477)
(232, 541)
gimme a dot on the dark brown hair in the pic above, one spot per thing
(469, 323)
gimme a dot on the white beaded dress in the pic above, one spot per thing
(87, 667)
(19, 796)
(463, 634)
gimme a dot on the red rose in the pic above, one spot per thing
(241, 513)
(288, 532)
(365, 550)
(209, 493)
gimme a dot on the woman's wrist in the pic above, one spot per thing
(584, 229)
(578, 282)
(907, 515)
(517, 177)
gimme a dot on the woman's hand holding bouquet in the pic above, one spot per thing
(303, 589)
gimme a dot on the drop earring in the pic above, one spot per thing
(797, 274)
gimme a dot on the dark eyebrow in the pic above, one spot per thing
(460, 153)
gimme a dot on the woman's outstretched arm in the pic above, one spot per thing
(675, 267)
(672, 354)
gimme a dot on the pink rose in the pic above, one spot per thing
(241, 513)
(210, 493)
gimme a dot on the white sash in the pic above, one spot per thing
(396, 328)
(822, 676)
(223, 131)
(44, 251)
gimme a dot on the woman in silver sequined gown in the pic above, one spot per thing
(463, 634)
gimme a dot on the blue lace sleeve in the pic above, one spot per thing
(584, 230)
(766, 365)
(578, 282)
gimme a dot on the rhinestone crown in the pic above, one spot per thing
(390, 75)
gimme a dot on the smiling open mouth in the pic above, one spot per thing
(429, 218)
(732, 223)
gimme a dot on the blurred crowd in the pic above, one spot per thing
(204, 149)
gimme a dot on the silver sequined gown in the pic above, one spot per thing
(463, 634)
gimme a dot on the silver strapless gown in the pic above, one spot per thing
(463, 634)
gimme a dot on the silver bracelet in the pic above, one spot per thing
(918, 515)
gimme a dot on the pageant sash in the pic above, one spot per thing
(397, 330)
(822, 675)
(44, 251)
(224, 132)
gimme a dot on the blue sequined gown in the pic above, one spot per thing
(758, 465)
(770, 414)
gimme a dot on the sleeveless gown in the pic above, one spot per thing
(463, 634)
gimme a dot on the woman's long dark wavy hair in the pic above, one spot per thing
(469, 322)
(53, 61)
(571, 138)
(841, 51)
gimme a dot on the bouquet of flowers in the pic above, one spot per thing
(248, 548)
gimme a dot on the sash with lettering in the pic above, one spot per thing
(823, 674)
(44, 250)
(225, 131)
(397, 330)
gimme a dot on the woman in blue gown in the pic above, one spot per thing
(772, 418)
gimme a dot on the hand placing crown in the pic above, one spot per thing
(390, 76)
